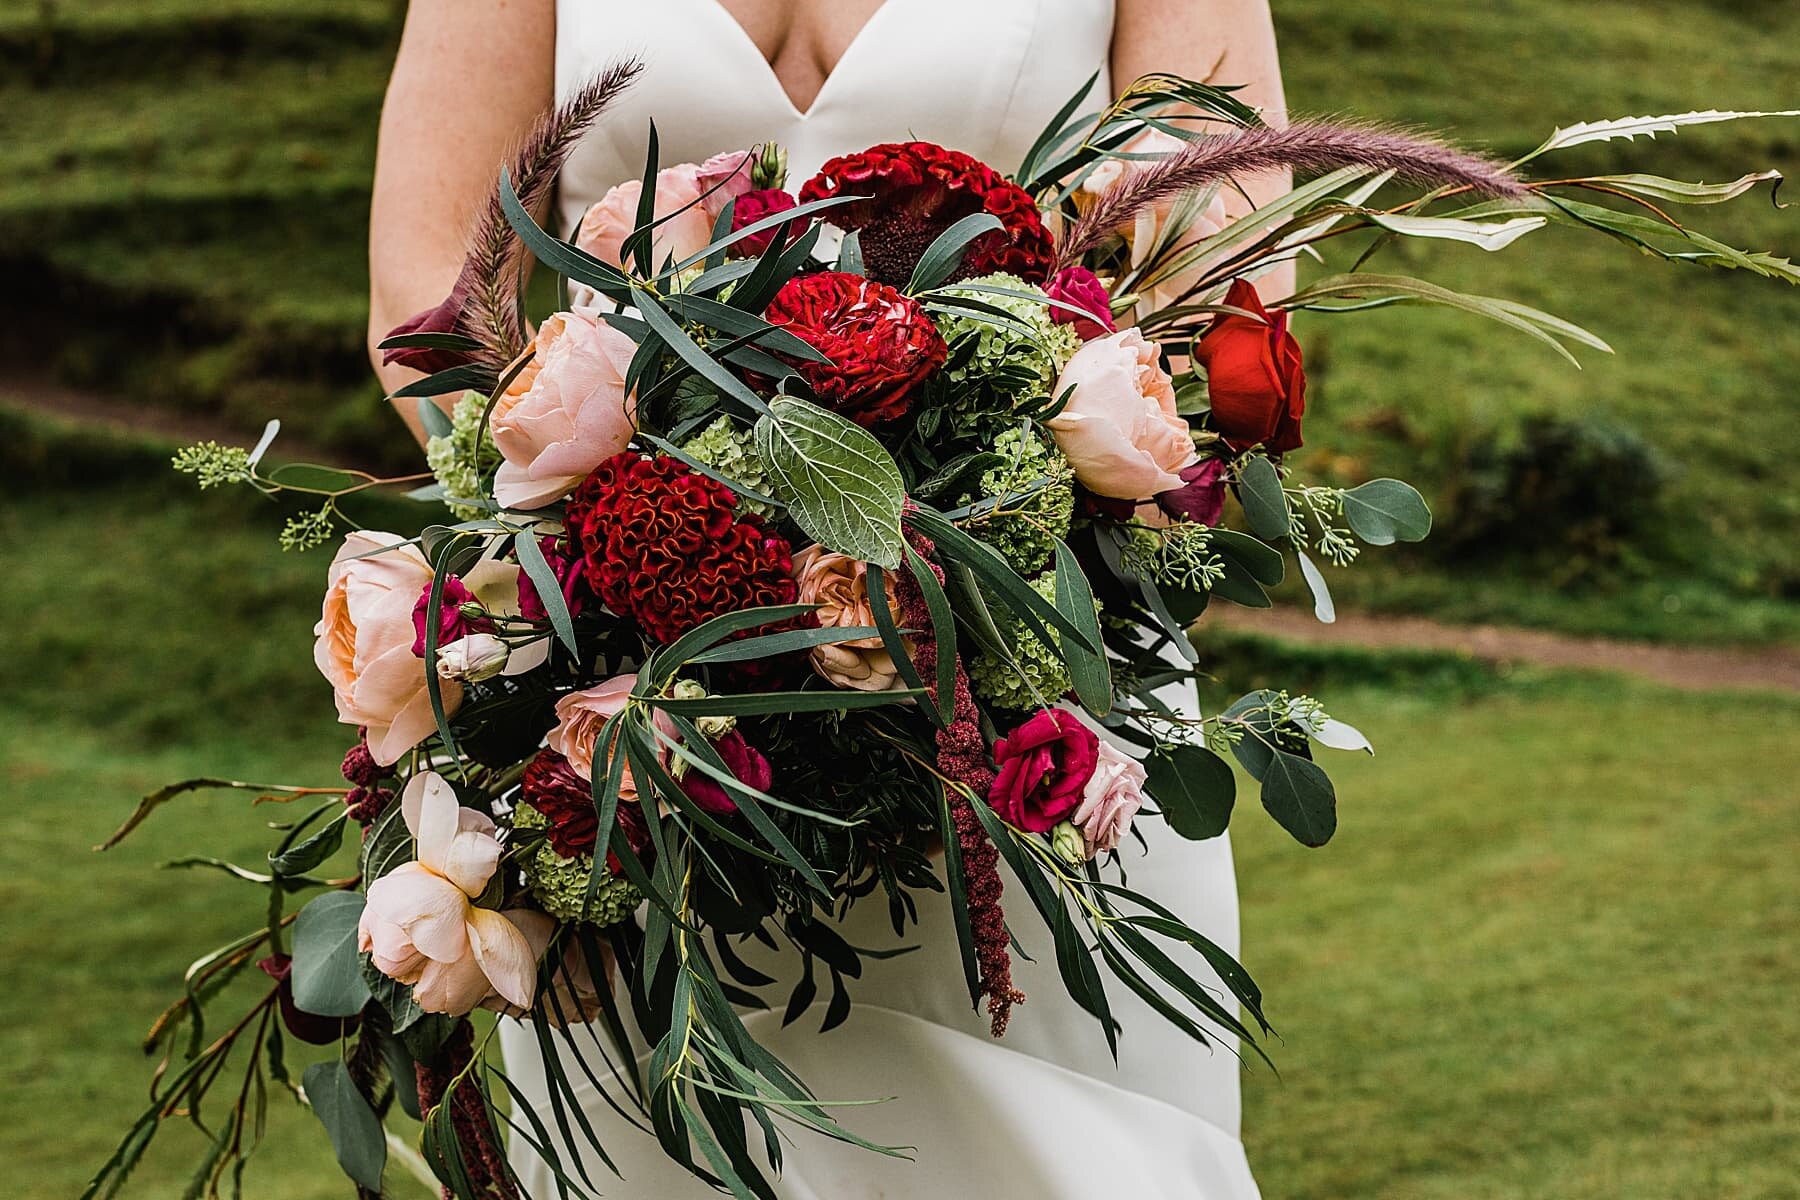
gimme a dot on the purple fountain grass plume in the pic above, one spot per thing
(1307, 147)
(487, 290)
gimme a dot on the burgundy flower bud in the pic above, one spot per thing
(444, 317)
(309, 1028)
(747, 766)
(1201, 497)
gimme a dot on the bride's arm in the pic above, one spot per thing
(1216, 41)
(468, 82)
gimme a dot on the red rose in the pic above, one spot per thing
(752, 207)
(1081, 288)
(746, 764)
(1044, 764)
(667, 547)
(1254, 375)
(881, 344)
(915, 191)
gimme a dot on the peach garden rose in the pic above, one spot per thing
(565, 413)
(839, 585)
(364, 644)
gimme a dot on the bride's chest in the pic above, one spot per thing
(978, 75)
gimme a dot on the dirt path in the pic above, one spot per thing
(1691, 668)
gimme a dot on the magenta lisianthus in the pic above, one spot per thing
(567, 569)
(753, 207)
(452, 623)
(1044, 765)
(746, 764)
(1081, 288)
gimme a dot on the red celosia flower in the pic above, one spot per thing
(566, 800)
(752, 207)
(666, 546)
(916, 191)
(881, 344)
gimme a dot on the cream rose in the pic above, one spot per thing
(565, 413)
(686, 232)
(1109, 800)
(1120, 430)
(364, 639)
(839, 585)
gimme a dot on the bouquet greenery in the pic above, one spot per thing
(829, 547)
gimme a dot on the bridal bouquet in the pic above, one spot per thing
(829, 546)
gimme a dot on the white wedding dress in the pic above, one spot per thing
(1043, 1114)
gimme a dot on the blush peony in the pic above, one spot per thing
(364, 639)
(565, 413)
(881, 344)
(1119, 429)
(686, 225)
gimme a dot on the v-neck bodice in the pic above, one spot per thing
(982, 77)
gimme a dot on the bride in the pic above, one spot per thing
(1045, 1113)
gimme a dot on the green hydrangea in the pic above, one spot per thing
(1034, 665)
(992, 364)
(560, 884)
(731, 452)
(461, 458)
(1026, 538)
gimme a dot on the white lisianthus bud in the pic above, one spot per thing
(1067, 842)
(711, 727)
(472, 659)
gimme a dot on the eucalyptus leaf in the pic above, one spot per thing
(1195, 789)
(1323, 607)
(1299, 795)
(354, 1128)
(327, 976)
(310, 853)
(840, 485)
(1265, 504)
(1384, 511)
(434, 420)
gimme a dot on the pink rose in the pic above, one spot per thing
(1109, 800)
(746, 764)
(565, 413)
(580, 716)
(687, 230)
(1081, 288)
(1120, 430)
(839, 586)
(1044, 765)
(721, 179)
(363, 644)
(421, 926)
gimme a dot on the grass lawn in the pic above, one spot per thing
(1552, 951)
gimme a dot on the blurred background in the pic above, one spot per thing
(1553, 950)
